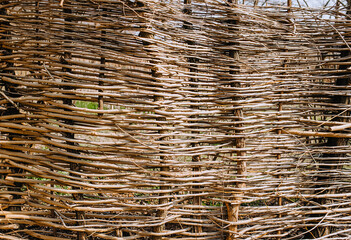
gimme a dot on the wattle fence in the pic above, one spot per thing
(143, 119)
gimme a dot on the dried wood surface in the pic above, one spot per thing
(119, 122)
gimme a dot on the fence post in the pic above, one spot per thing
(102, 64)
(197, 200)
(239, 143)
(75, 167)
(161, 213)
(280, 109)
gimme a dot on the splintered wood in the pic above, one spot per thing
(174, 120)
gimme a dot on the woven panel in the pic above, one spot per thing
(164, 120)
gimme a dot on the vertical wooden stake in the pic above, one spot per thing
(197, 200)
(279, 131)
(280, 199)
(161, 213)
(75, 167)
(239, 143)
(102, 69)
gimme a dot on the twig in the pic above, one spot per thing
(9, 99)
(138, 141)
